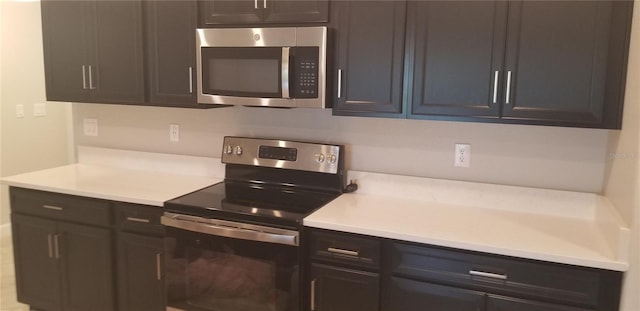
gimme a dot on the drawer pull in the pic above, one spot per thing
(488, 275)
(51, 207)
(146, 221)
(340, 251)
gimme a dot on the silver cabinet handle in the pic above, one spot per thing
(488, 275)
(51, 207)
(50, 243)
(313, 295)
(56, 245)
(135, 219)
(508, 95)
(84, 77)
(343, 251)
(264, 4)
(91, 87)
(158, 267)
(495, 86)
(339, 83)
(190, 80)
(285, 72)
(256, 4)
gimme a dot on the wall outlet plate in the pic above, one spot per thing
(462, 155)
(39, 110)
(19, 111)
(174, 132)
(90, 127)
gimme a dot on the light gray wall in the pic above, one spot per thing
(622, 181)
(537, 156)
(29, 143)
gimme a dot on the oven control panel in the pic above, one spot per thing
(284, 154)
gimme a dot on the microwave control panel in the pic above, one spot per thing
(305, 72)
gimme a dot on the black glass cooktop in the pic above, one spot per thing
(252, 202)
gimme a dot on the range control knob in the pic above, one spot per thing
(228, 149)
(238, 150)
(319, 157)
(332, 158)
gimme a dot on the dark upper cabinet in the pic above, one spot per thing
(457, 49)
(342, 289)
(370, 37)
(93, 51)
(241, 12)
(556, 61)
(170, 51)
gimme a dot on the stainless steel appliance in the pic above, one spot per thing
(271, 67)
(234, 246)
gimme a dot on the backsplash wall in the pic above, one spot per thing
(533, 156)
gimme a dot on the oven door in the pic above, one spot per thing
(217, 265)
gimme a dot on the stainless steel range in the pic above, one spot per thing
(234, 246)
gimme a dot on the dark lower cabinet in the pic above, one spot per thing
(343, 289)
(409, 295)
(63, 266)
(140, 279)
(70, 254)
(356, 272)
(500, 303)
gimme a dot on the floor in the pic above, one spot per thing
(7, 276)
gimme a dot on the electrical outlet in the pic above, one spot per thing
(90, 127)
(462, 155)
(39, 110)
(174, 132)
(19, 111)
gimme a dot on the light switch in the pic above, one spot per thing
(39, 110)
(19, 111)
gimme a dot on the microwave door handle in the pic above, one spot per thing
(285, 72)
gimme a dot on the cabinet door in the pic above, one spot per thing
(457, 54)
(408, 295)
(37, 269)
(140, 282)
(279, 11)
(117, 70)
(65, 38)
(87, 269)
(500, 303)
(220, 12)
(370, 47)
(341, 289)
(171, 56)
(556, 60)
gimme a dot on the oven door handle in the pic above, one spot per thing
(229, 230)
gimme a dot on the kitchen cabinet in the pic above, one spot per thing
(93, 51)
(140, 258)
(369, 56)
(457, 49)
(62, 263)
(170, 54)
(343, 264)
(222, 12)
(344, 269)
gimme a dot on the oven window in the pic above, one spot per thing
(243, 72)
(207, 272)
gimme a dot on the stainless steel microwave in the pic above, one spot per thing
(270, 67)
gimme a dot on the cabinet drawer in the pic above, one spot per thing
(61, 206)
(521, 277)
(345, 248)
(139, 218)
